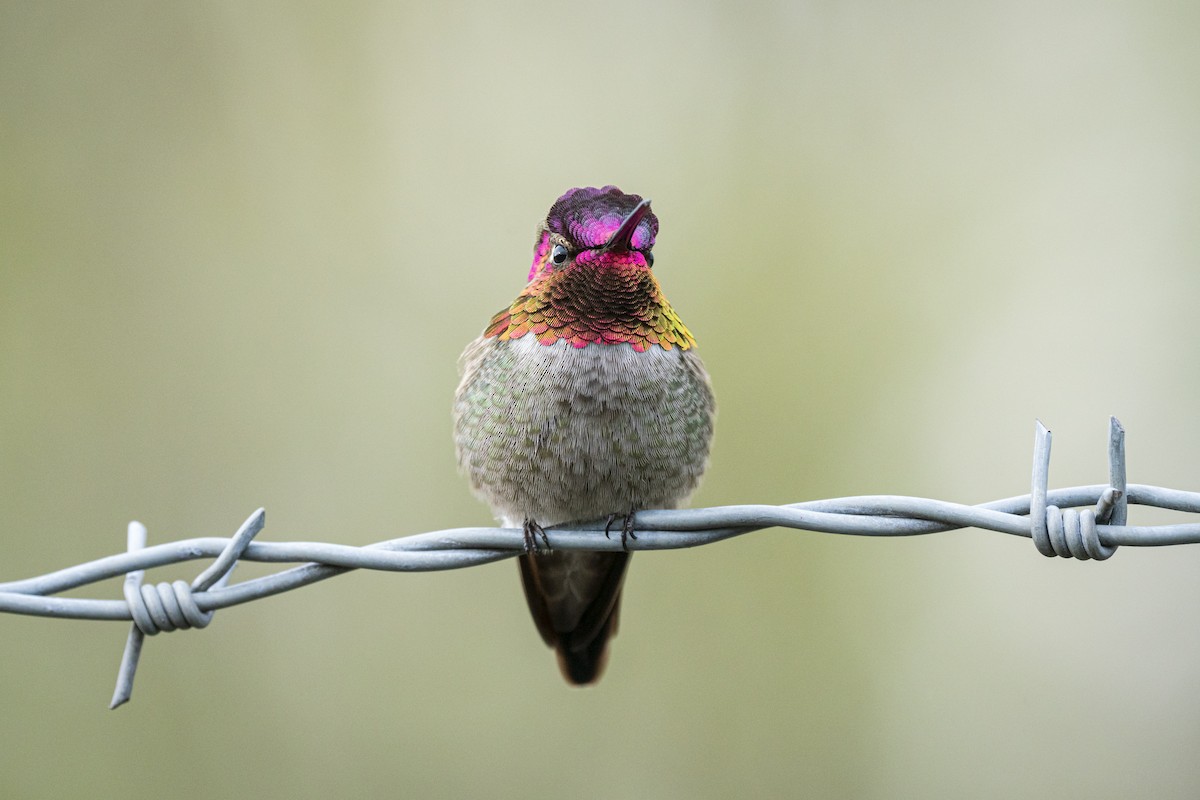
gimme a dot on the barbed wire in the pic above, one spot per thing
(1048, 517)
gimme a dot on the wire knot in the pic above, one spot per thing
(1068, 533)
(171, 606)
(164, 607)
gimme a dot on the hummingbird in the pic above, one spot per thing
(583, 399)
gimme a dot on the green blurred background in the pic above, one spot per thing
(242, 246)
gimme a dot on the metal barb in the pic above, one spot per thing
(1116, 471)
(217, 574)
(169, 607)
(135, 540)
(1113, 506)
(1068, 533)
(1038, 527)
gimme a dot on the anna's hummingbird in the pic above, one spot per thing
(583, 399)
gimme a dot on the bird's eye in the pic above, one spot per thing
(559, 255)
(649, 258)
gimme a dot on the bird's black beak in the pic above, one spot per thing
(622, 238)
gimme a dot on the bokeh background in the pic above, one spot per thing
(242, 246)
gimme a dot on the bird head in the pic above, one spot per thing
(595, 228)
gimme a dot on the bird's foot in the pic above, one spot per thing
(532, 531)
(627, 531)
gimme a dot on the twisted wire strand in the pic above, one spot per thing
(1049, 517)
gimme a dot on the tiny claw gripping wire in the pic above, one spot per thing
(1069, 533)
(171, 606)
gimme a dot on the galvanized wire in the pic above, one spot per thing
(1048, 517)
